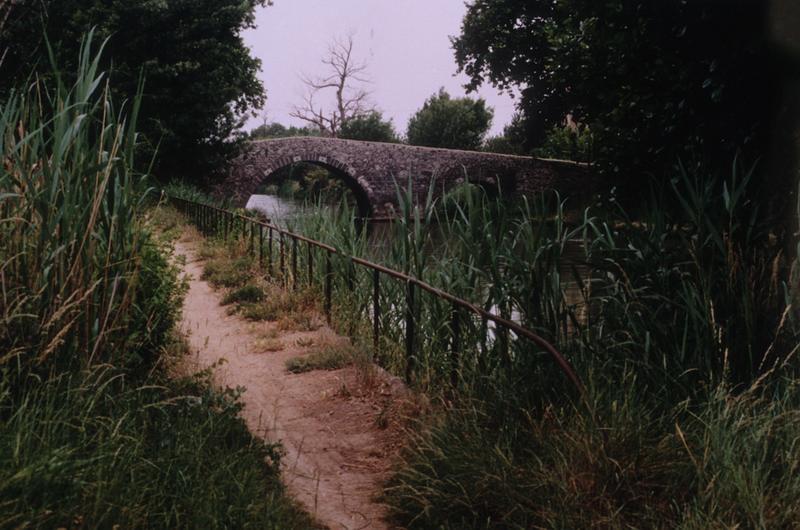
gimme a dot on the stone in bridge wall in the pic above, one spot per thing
(374, 167)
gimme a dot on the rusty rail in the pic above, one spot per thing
(213, 220)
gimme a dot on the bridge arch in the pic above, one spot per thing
(358, 187)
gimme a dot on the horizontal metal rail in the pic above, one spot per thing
(206, 214)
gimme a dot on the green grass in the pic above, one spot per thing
(724, 461)
(244, 294)
(96, 448)
(329, 357)
(228, 273)
(93, 433)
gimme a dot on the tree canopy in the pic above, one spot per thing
(455, 123)
(199, 78)
(278, 130)
(652, 79)
(369, 127)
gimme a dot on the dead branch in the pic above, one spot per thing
(351, 100)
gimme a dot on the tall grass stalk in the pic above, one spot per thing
(69, 206)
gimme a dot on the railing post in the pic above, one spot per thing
(455, 345)
(269, 253)
(376, 311)
(283, 259)
(260, 246)
(328, 285)
(483, 345)
(310, 263)
(409, 330)
(294, 263)
(252, 237)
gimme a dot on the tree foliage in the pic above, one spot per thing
(369, 127)
(652, 79)
(278, 130)
(512, 141)
(200, 80)
(455, 123)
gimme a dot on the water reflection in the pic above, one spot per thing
(278, 209)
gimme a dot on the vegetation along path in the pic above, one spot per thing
(332, 423)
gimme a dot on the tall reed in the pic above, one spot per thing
(69, 234)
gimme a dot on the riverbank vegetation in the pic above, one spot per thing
(682, 324)
(95, 429)
(675, 298)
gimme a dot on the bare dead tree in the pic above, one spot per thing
(350, 100)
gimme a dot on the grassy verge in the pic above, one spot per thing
(93, 432)
(94, 449)
(726, 461)
(326, 357)
(249, 292)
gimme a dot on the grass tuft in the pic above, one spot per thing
(244, 294)
(329, 357)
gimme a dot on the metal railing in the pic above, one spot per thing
(265, 236)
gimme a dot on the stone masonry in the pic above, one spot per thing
(372, 169)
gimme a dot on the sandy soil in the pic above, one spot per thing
(332, 424)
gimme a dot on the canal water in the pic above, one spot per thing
(279, 209)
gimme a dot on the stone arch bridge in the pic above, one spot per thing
(370, 170)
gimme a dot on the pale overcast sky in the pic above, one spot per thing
(404, 42)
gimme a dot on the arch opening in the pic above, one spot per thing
(313, 180)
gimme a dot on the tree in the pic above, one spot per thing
(369, 127)
(652, 80)
(350, 100)
(278, 130)
(512, 141)
(459, 123)
(199, 78)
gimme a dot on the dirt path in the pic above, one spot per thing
(338, 448)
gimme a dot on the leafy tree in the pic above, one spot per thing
(567, 142)
(370, 127)
(652, 79)
(512, 141)
(459, 123)
(278, 130)
(200, 80)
